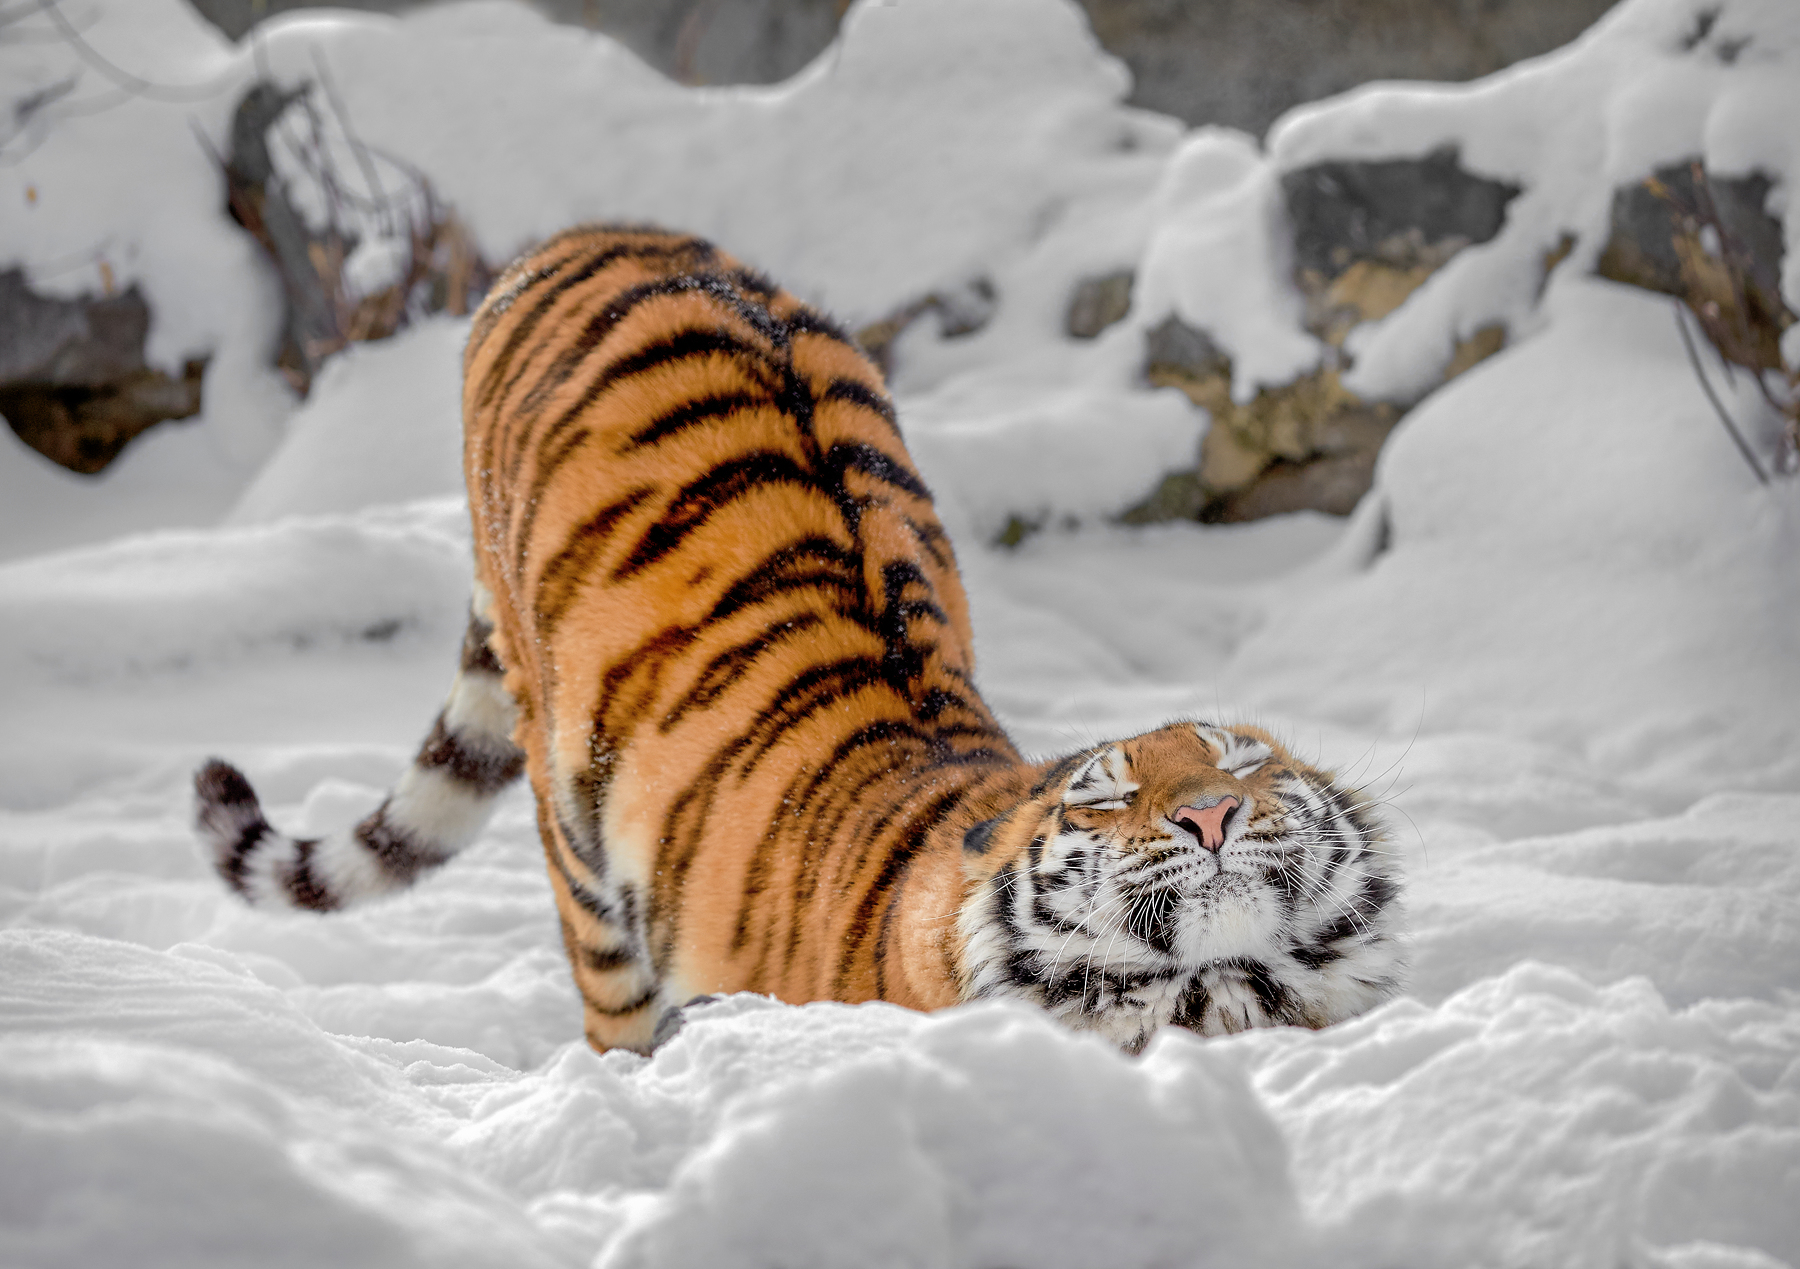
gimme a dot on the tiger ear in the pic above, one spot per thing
(989, 845)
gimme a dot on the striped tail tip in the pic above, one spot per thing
(229, 819)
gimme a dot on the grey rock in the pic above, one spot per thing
(1332, 483)
(1343, 211)
(1648, 217)
(1175, 348)
(963, 310)
(73, 381)
(1243, 63)
(69, 343)
(1240, 63)
(1097, 303)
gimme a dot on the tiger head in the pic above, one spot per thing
(1195, 875)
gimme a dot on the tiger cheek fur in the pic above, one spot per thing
(717, 624)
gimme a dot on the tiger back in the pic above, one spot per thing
(734, 628)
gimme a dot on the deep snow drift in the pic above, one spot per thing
(1560, 639)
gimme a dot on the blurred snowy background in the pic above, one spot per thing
(1447, 429)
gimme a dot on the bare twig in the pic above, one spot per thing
(26, 107)
(379, 198)
(296, 154)
(1687, 342)
(41, 120)
(18, 13)
(687, 40)
(134, 84)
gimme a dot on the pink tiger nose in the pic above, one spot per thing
(1207, 822)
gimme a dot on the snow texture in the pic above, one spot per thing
(1558, 640)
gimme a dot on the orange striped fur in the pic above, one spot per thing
(734, 628)
(720, 627)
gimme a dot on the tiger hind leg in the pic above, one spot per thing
(438, 807)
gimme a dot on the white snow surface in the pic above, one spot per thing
(1560, 641)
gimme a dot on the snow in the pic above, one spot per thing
(1558, 642)
(1642, 89)
(1219, 260)
(341, 454)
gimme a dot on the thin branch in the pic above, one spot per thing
(123, 78)
(41, 122)
(30, 104)
(381, 202)
(1687, 342)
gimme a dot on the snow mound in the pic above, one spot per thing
(178, 598)
(1621, 1131)
(383, 424)
(1557, 644)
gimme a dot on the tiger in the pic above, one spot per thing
(718, 626)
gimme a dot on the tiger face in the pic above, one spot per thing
(1197, 876)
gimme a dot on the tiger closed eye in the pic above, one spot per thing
(1119, 803)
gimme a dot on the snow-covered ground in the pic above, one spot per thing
(1560, 640)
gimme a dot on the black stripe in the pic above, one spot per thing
(1376, 893)
(576, 350)
(756, 881)
(648, 658)
(233, 863)
(807, 320)
(304, 887)
(399, 851)
(870, 834)
(636, 1003)
(1315, 955)
(486, 766)
(813, 689)
(903, 661)
(1190, 1010)
(809, 562)
(749, 292)
(892, 875)
(881, 938)
(756, 282)
(548, 467)
(694, 505)
(977, 839)
(831, 808)
(859, 393)
(685, 344)
(689, 414)
(682, 346)
(608, 960)
(589, 847)
(846, 456)
(1058, 771)
(477, 656)
(569, 568)
(585, 899)
(229, 814)
(936, 700)
(1277, 1003)
(731, 665)
(528, 323)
